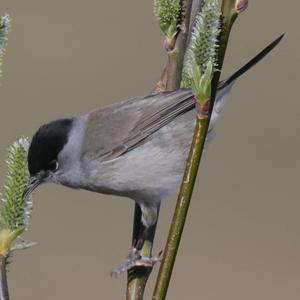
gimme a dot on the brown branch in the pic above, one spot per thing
(171, 75)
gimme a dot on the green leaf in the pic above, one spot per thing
(196, 71)
(205, 83)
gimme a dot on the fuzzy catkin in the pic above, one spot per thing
(168, 14)
(14, 209)
(203, 44)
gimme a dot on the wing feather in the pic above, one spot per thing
(121, 127)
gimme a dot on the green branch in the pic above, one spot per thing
(181, 210)
(204, 109)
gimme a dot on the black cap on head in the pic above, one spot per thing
(46, 144)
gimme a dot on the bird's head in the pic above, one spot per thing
(44, 150)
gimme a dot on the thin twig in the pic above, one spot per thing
(3, 280)
(229, 14)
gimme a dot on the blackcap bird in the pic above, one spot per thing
(135, 148)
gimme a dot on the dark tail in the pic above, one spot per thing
(251, 63)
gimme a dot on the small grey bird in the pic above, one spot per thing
(135, 148)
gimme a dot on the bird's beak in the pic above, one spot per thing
(32, 184)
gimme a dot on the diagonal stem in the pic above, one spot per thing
(181, 209)
(229, 15)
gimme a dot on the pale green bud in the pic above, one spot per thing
(168, 14)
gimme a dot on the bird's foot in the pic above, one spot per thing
(135, 259)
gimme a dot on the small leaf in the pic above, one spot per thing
(205, 83)
(196, 72)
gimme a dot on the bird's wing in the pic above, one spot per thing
(119, 128)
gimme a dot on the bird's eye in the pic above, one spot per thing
(53, 166)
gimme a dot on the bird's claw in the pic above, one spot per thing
(136, 260)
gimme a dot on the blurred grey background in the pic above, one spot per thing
(241, 240)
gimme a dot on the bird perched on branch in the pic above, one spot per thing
(135, 148)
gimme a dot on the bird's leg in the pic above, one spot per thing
(149, 216)
(144, 246)
(136, 257)
(137, 225)
(143, 235)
